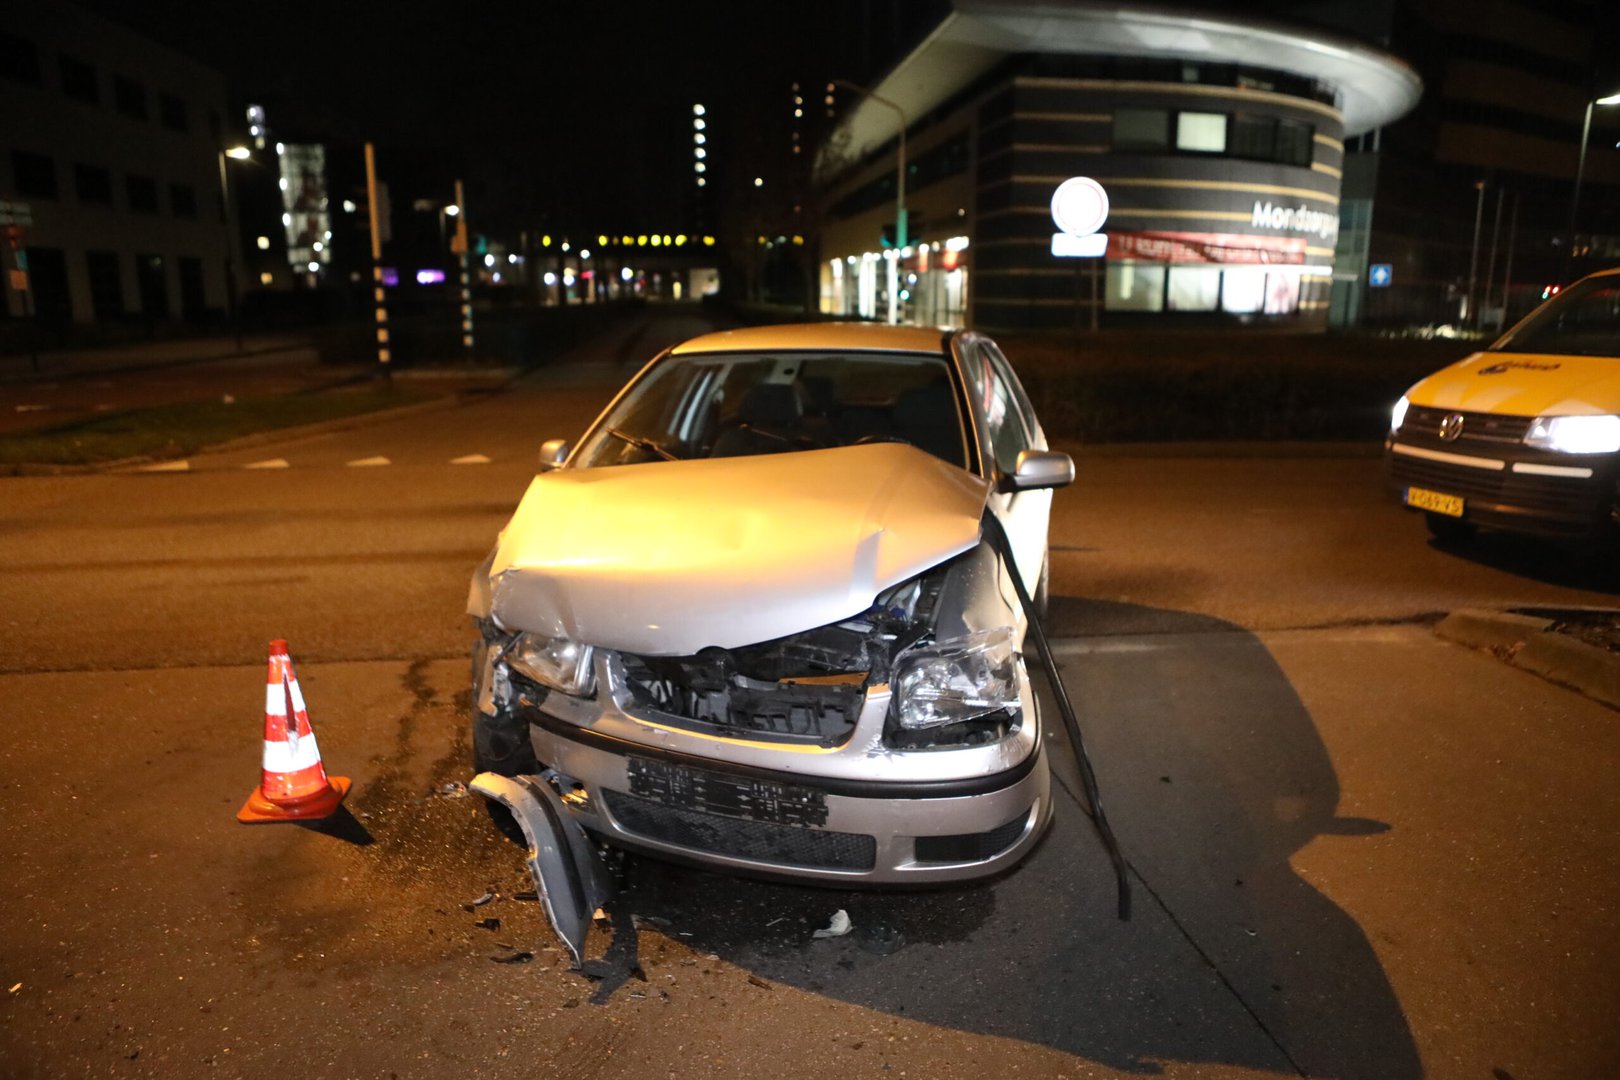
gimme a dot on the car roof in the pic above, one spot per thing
(836, 336)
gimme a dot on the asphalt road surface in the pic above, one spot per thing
(1359, 851)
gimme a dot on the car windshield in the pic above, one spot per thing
(736, 404)
(1583, 320)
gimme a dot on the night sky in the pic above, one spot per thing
(578, 109)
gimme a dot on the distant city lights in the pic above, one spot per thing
(430, 277)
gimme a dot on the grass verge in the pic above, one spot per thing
(185, 428)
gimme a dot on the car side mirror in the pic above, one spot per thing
(1039, 469)
(553, 452)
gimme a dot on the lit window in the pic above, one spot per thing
(1203, 133)
(1134, 286)
(1243, 290)
(1193, 288)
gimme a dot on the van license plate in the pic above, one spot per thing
(1424, 499)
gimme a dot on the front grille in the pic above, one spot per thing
(1569, 498)
(707, 694)
(1477, 427)
(971, 847)
(757, 841)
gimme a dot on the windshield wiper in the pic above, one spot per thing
(643, 444)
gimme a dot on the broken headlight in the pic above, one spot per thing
(561, 664)
(956, 680)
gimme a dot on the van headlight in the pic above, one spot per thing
(1575, 434)
(1397, 415)
(956, 680)
(561, 664)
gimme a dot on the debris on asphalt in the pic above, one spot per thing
(488, 924)
(455, 789)
(571, 1003)
(838, 927)
(489, 894)
(14, 989)
(761, 983)
(646, 922)
(527, 894)
(522, 957)
(773, 922)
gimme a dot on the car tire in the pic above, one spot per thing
(1449, 530)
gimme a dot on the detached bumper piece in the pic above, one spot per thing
(568, 873)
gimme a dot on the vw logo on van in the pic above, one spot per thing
(1451, 426)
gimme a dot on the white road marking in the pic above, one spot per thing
(166, 466)
(32, 408)
(368, 462)
(273, 463)
(470, 459)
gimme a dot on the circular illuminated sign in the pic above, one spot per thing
(1080, 206)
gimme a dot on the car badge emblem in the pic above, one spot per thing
(1451, 426)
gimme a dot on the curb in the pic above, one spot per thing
(1526, 642)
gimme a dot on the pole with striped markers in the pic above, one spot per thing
(379, 297)
(466, 287)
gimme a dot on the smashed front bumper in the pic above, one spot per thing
(858, 813)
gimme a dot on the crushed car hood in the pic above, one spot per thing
(1524, 384)
(669, 558)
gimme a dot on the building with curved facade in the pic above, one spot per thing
(1218, 139)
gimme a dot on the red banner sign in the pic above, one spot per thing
(1184, 247)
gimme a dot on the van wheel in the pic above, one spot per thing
(1449, 530)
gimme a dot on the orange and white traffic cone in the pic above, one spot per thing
(295, 786)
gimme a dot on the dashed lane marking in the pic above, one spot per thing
(32, 408)
(273, 463)
(470, 459)
(166, 466)
(369, 462)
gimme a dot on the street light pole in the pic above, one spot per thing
(1580, 168)
(237, 153)
(900, 231)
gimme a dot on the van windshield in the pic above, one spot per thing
(1583, 320)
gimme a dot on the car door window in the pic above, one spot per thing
(1020, 399)
(1003, 419)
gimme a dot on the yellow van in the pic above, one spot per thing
(1524, 436)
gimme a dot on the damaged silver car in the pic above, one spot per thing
(762, 617)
